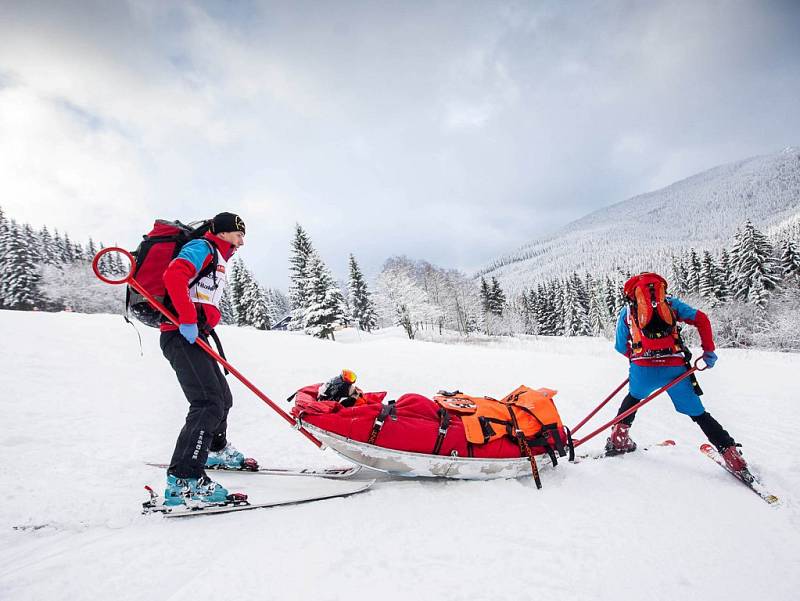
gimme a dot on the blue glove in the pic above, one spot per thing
(189, 331)
(710, 357)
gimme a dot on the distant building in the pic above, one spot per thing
(283, 323)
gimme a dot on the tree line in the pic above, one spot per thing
(245, 302)
(44, 270)
(750, 288)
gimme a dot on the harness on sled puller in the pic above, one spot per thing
(652, 321)
(653, 324)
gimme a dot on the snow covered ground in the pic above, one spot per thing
(82, 410)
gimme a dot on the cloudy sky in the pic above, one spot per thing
(446, 131)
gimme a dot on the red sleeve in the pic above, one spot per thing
(703, 325)
(176, 279)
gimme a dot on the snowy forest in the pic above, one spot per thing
(750, 291)
(749, 288)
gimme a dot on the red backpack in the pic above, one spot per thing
(652, 321)
(153, 255)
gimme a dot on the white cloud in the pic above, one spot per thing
(57, 171)
(383, 119)
(464, 116)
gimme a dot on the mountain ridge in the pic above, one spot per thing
(764, 189)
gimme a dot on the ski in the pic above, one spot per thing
(745, 477)
(330, 472)
(237, 502)
(604, 454)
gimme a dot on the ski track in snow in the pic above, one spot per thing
(83, 410)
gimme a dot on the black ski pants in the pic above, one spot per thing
(209, 399)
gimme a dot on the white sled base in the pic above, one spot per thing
(414, 465)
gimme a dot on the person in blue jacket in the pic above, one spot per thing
(648, 335)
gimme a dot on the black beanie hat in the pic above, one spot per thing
(227, 222)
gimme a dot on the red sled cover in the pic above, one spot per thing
(413, 425)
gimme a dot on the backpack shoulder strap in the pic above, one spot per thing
(211, 268)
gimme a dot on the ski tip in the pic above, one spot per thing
(705, 447)
(668, 443)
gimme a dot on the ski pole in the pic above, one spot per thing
(600, 406)
(131, 281)
(636, 407)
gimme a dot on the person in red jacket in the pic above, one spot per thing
(648, 335)
(195, 281)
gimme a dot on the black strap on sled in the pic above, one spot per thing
(488, 431)
(486, 428)
(388, 410)
(542, 440)
(549, 439)
(524, 449)
(553, 437)
(570, 444)
(444, 424)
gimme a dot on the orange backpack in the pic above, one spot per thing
(652, 321)
(525, 415)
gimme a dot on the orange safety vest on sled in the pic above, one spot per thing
(486, 419)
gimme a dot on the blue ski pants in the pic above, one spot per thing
(644, 380)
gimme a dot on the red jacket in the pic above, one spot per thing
(191, 260)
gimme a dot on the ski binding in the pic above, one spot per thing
(604, 454)
(238, 502)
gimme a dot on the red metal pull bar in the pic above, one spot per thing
(129, 279)
(636, 407)
(600, 406)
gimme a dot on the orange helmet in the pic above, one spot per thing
(339, 387)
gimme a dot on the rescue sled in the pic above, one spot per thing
(412, 465)
(452, 435)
